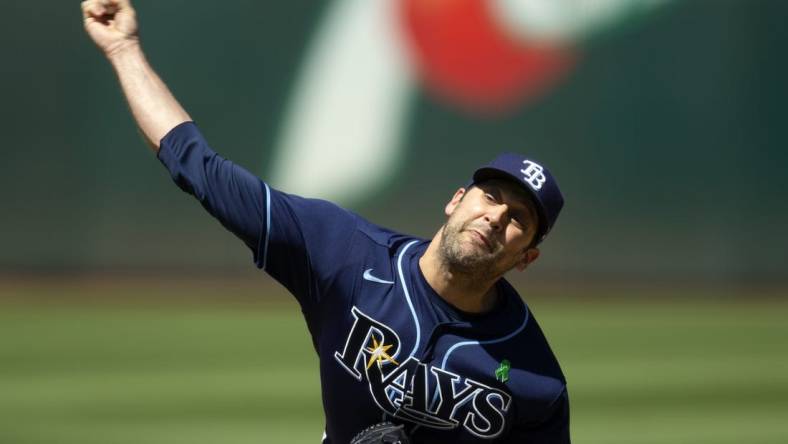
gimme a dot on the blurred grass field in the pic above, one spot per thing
(93, 370)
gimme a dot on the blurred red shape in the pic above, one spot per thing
(465, 55)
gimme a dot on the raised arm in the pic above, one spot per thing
(112, 24)
(230, 193)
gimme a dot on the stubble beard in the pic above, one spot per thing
(474, 263)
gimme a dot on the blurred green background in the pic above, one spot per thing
(129, 316)
(181, 362)
(667, 137)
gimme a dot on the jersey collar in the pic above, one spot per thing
(507, 317)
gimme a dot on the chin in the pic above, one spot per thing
(476, 259)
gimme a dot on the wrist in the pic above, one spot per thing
(123, 48)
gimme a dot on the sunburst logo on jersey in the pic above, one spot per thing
(379, 353)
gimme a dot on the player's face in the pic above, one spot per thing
(490, 229)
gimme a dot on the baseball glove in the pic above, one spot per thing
(383, 433)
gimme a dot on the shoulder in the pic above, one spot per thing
(536, 378)
(328, 226)
(535, 354)
(383, 237)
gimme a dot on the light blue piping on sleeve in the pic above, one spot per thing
(407, 297)
(491, 341)
(267, 223)
(461, 344)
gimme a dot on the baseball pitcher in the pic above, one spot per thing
(419, 340)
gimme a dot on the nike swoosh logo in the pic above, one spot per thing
(368, 276)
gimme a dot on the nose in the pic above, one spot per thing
(496, 215)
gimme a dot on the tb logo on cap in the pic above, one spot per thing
(533, 174)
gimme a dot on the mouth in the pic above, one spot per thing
(482, 238)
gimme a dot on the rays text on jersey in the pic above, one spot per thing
(404, 389)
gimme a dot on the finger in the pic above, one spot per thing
(92, 8)
(90, 22)
(87, 7)
(113, 6)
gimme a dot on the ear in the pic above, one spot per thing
(455, 200)
(529, 256)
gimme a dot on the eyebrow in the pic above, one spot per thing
(520, 198)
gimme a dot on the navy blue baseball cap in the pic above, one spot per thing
(535, 179)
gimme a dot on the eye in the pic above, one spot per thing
(520, 221)
(490, 198)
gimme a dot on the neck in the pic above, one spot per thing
(467, 292)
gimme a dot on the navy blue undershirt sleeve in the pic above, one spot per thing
(302, 243)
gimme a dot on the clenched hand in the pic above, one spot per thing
(112, 24)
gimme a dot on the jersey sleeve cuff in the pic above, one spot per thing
(170, 146)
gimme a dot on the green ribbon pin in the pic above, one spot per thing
(502, 372)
